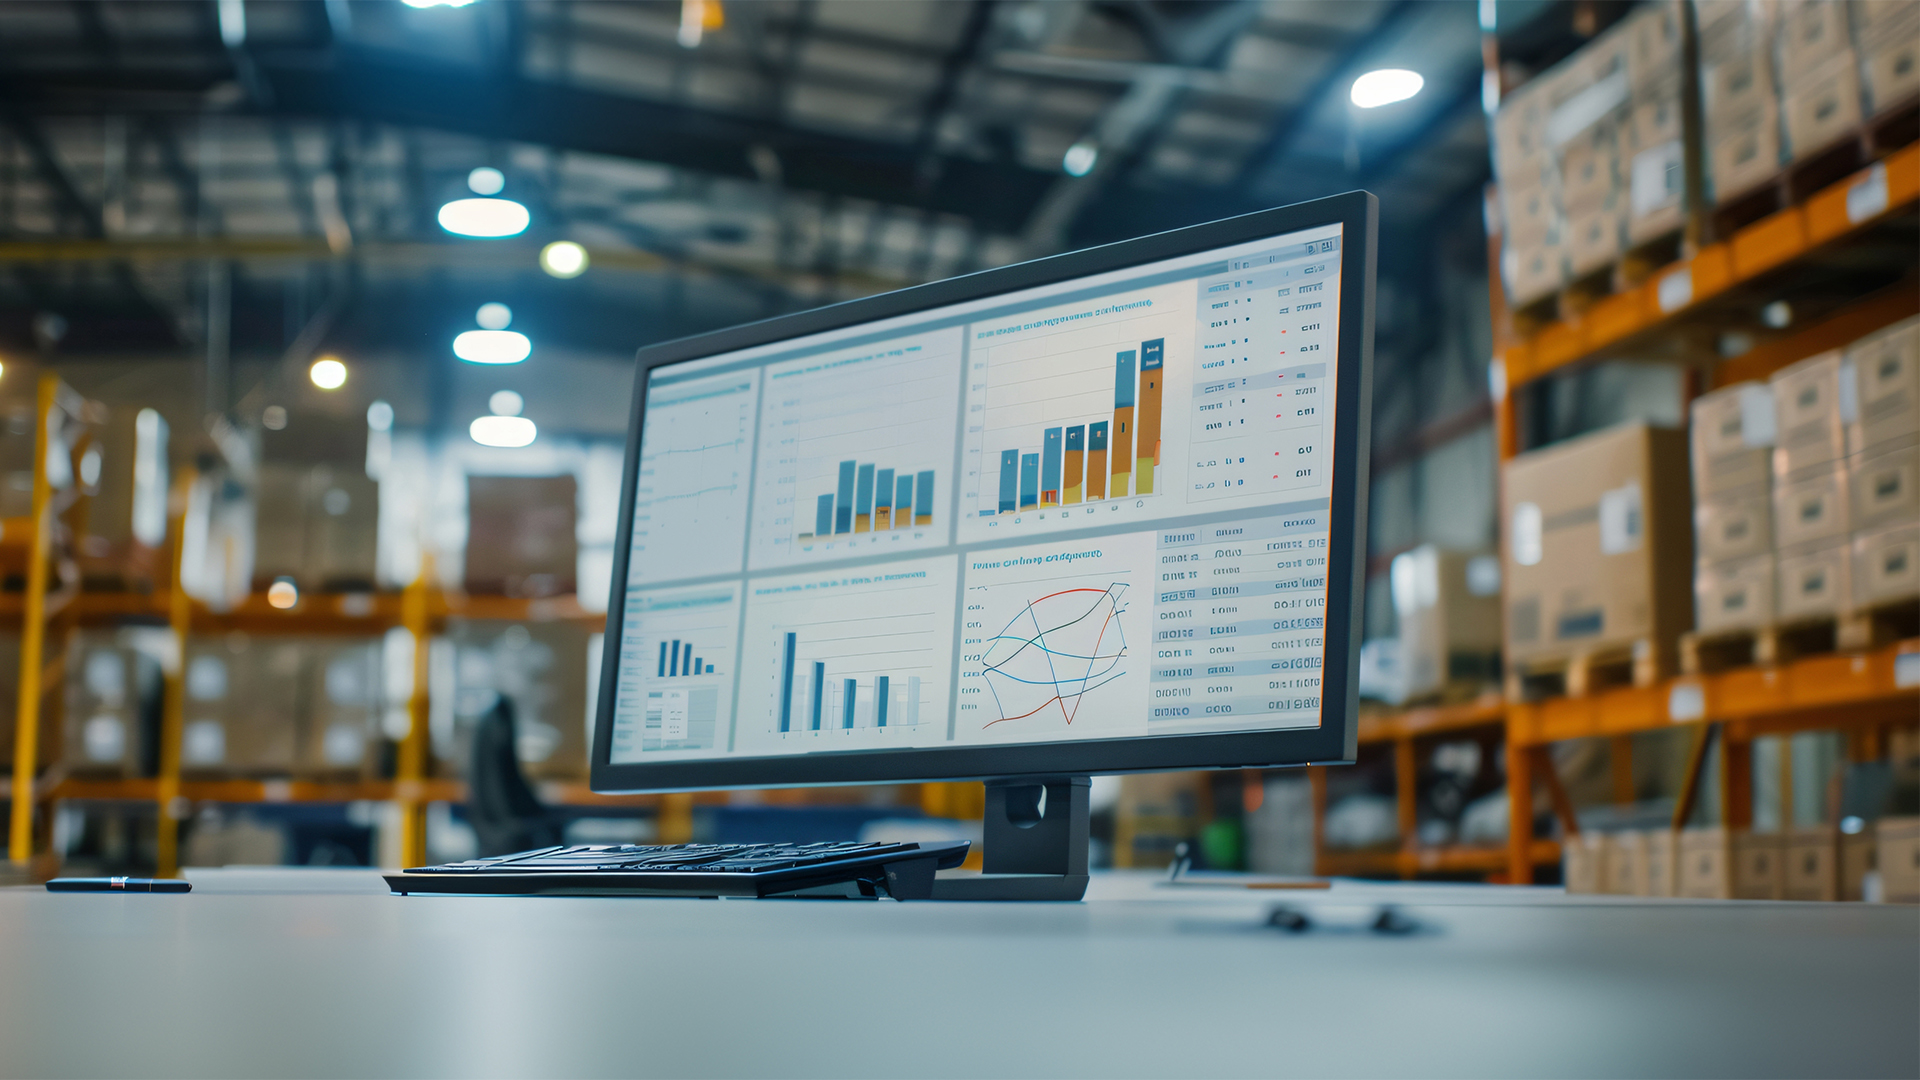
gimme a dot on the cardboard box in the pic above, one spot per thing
(241, 716)
(1589, 173)
(1733, 525)
(343, 684)
(1656, 191)
(1738, 86)
(1856, 861)
(1810, 428)
(1736, 595)
(1448, 608)
(1893, 69)
(1884, 17)
(1533, 270)
(1823, 105)
(1899, 859)
(1886, 565)
(1530, 215)
(1759, 871)
(1583, 863)
(1744, 152)
(112, 708)
(1811, 34)
(126, 517)
(1812, 865)
(1811, 507)
(317, 524)
(1595, 238)
(1731, 439)
(1884, 371)
(1653, 44)
(1815, 582)
(521, 535)
(1600, 544)
(1885, 486)
(1705, 864)
(1659, 875)
(1520, 130)
(1626, 864)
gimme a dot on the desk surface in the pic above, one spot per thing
(263, 973)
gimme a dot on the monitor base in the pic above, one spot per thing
(1033, 846)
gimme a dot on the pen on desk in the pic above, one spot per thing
(118, 884)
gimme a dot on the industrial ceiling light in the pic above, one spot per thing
(494, 316)
(503, 431)
(492, 347)
(1385, 86)
(436, 3)
(564, 259)
(328, 373)
(486, 181)
(1080, 158)
(505, 403)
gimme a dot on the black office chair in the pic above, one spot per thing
(505, 814)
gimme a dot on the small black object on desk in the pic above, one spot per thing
(118, 884)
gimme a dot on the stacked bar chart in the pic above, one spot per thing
(1111, 458)
(869, 499)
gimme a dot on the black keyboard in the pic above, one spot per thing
(902, 871)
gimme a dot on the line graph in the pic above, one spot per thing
(1051, 646)
(1063, 644)
(690, 516)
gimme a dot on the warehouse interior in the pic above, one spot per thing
(317, 325)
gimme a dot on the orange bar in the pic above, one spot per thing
(862, 523)
(1076, 465)
(1152, 359)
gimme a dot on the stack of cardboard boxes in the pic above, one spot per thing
(1810, 488)
(282, 706)
(1716, 863)
(1599, 553)
(1589, 155)
(1447, 604)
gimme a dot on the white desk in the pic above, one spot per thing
(263, 973)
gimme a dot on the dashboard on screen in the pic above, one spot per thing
(1097, 509)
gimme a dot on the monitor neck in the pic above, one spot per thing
(1034, 844)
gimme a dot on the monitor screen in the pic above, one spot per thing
(1096, 509)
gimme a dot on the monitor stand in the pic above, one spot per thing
(1034, 846)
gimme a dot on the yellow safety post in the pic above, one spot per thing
(411, 771)
(174, 708)
(33, 634)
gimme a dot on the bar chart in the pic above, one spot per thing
(849, 660)
(690, 496)
(1111, 458)
(855, 453)
(676, 670)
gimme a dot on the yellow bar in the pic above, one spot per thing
(1120, 451)
(1149, 426)
(33, 636)
(1075, 462)
(923, 519)
(1096, 474)
(174, 707)
(862, 523)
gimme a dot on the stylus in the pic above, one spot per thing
(118, 884)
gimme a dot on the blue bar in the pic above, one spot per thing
(1097, 436)
(1029, 480)
(1123, 380)
(1050, 465)
(903, 495)
(819, 690)
(1077, 439)
(700, 667)
(846, 705)
(786, 686)
(686, 663)
(843, 505)
(923, 496)
(673, 662)
(1009, 481)
(881, 691)
(863, 493)
(823, 517)
(883, 493)
(663, 660)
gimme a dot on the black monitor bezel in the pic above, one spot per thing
(1333, 742)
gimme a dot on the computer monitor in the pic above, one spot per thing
(1097, 513)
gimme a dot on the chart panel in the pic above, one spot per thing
(690, 498)
(675, 683)
(856, 448)
(1053, 641)
(839, 661)
(1068, 419)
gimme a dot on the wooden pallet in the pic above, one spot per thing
(1710, 651)
(1639, 663)
(1888, 131)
